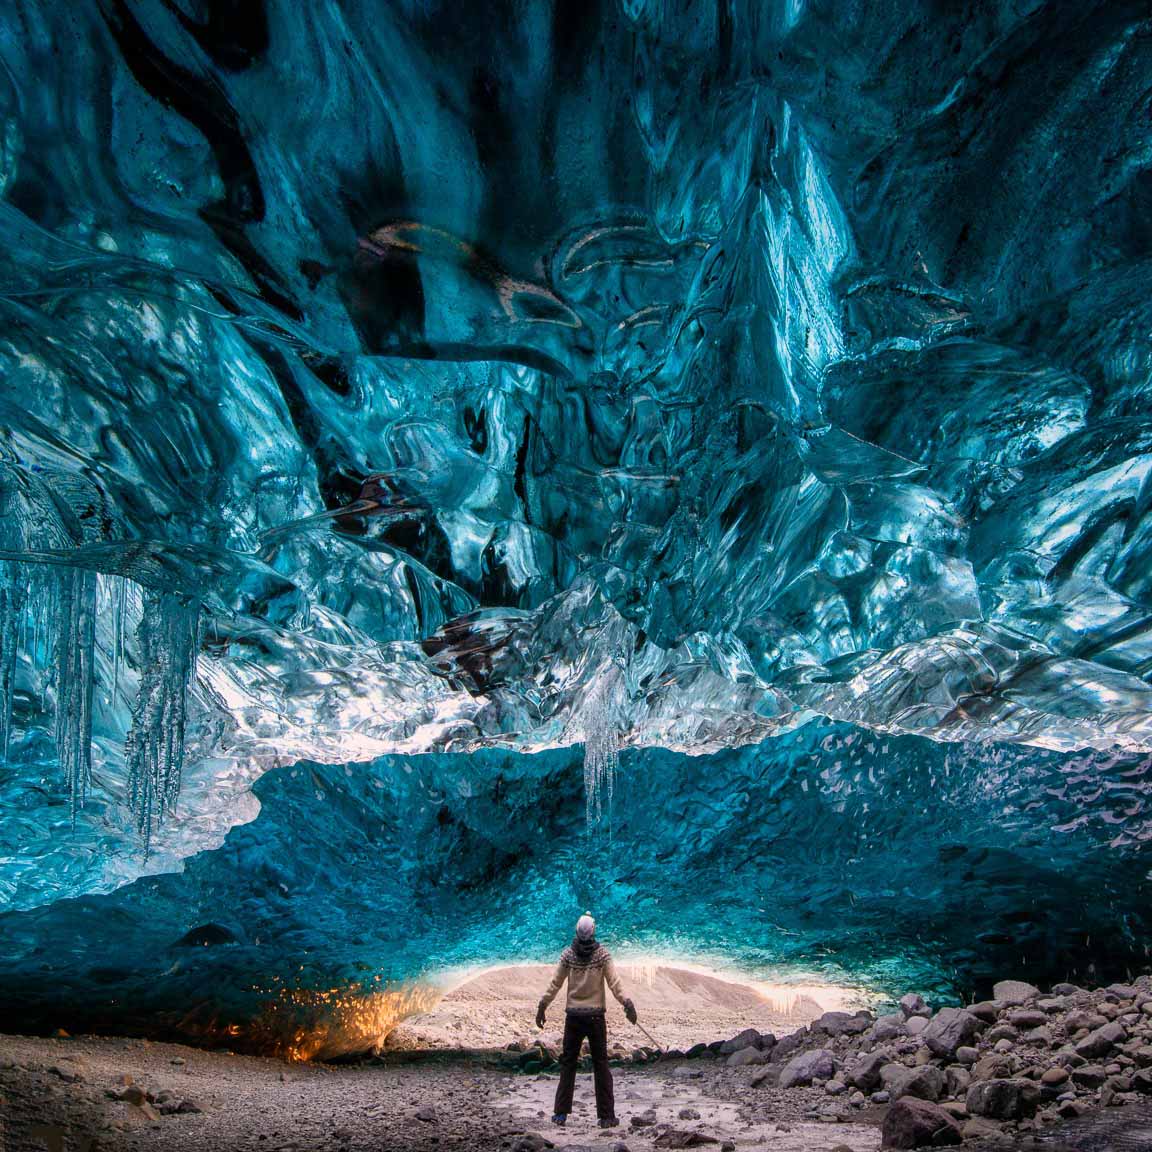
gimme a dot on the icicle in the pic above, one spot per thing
(154, 748)
(13, 595)
(75, 673)
(601, 749)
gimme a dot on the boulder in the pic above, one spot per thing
(913, 1123)
(957, 1080)
(1122, 991)
(914, 1005)
(865, 1073)
(992, 1067)
(746, 1056)
(925, 1083)
(986, 1010)
(801, 1070)
(1080, 1019)
(749, 1038)
(786, 1045)
(1013, 992)
(842, 1024)
(915, 1025)
(967, 1055)
(1089, 1076)
(1003, 1099)
(1102, 1040)
(888, 1028)
(949, 1029)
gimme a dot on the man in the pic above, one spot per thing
(587, 967)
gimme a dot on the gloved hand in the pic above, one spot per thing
(540, 1014)
(630, 1011)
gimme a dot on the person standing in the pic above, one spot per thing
(587, 966)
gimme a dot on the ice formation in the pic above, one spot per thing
(390, 378)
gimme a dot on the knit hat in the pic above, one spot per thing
(585, 927)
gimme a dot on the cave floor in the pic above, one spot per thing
(252, 1103)
(57, 1095)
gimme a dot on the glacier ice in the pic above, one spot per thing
(383, 379)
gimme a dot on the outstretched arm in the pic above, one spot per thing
(612, 979)
(558, 978)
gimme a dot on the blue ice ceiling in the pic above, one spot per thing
(394, 377)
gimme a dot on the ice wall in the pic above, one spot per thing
(393, 377)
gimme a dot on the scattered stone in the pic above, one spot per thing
(644, 1119)
(1071, 1109)
(1026, 1018)
(785, 1046)
(531, 1142)
(1054, 1076)
(427, 1115)
(914, 1123)
(1004, 1045)
(865, 1073)
(842, 1024)
(749, 1038)
(914, 1005)
(881, 1097)
(1089, 1076)
(1098, 1042)
(1003, 1099)
(746, 1056)
(981, 1128)
(957, 1080)
(950, 1029)
(678, 1138)
(1122, 991)
(682, 1072)
(688, 1114)
(1066, 989)
(991, 1067)
(1000, 1032)
(1013, 992)
(986, 1010)
(801, 1070)
(915, 1025)
(888, 1028)
(967, 1055)
(1082, 1019)
(835, 1088)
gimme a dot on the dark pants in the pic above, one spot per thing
(577, 1025)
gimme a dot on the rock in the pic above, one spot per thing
(1078, 1019)
(801, 1070)
(923, 1056)
(1052, 1077)
(925, 1083)
(745, 1056)
(749, 1038)
(1089, 1076)
(1000, 1032)
(1025, 1018)
(981, 1128)
(682, 1072)
(957, 1081)
(914, 1025)
(1142, 1081)
(986, 1010)
(68, 1071)
(835, 1087)
(427, 1115)
(765, 1077)
(1071, 1109)
(1052, 1004)
(949, 1029)
(1040, 1037)
(1013, 992)
(1101, 1040)
(643, 1119)
(531, 1142)
(857, 1099)
(1004, 1045)
(1066, 989)
(1122, 991)
(178, 1061)
(1003, 1099)
(913, 1123)
(688, 1114)
(991, 1067)
(865, 1072)
(914, 1005)
(786, 1045)
(676, 1138)
(696, 1051)
(841, 1024)
(967, 1055)
(881, 1097)
(888, 1028)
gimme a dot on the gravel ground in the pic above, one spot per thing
(427, 1105)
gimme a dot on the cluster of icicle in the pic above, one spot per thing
(49, 617)
(601, 749)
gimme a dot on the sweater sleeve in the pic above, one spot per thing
(558, 978)
(612, 979)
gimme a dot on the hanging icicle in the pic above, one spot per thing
(75, 643)
(601, 747)
(13, 596)
(154, 749)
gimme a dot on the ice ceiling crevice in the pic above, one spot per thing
(399, 378)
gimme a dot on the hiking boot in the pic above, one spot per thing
(609, 1122)
(560, 1119)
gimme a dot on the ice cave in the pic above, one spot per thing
(463, 464)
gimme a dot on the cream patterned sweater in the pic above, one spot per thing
(587, 971)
